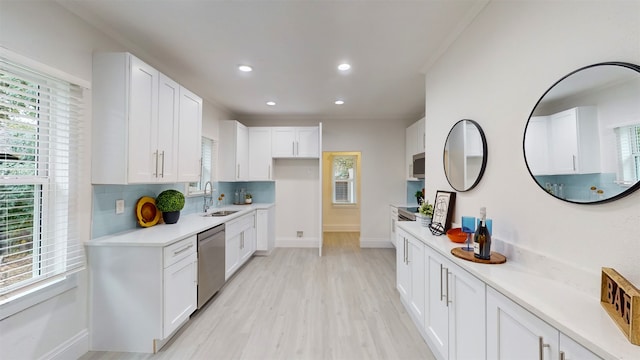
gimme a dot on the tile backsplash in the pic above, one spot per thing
(412, 187)
(105, 221)
(577, 187)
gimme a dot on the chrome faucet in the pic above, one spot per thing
(208, 200)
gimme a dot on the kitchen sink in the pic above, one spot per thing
(221, 213)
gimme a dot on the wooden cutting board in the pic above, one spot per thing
(496, 258)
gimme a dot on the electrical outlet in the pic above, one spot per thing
(119, 206)
(299, 233)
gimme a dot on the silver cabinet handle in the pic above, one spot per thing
(269, 178)
(562, 357)
(441, 293)
(541, 346)
(447, 280)
(156, 155)
(406, 251)
(238, 177)
(162, 175)
(573, 159)
(293, 148)
(183, 249)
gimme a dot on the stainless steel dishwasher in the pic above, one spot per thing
(211, 267)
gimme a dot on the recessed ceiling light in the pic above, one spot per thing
(245, 68)
(339, 102)
(271, 103)
(344, 67)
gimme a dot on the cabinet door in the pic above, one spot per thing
(536, 145)
(180, 293)
(411, 143)
(393, 217)
(189, 136)
(514, 333)
(417, 283)
(242, 153)
(247, 245)
(283, 142)
(466, 315)
(166, 130)
(421, 138)
(402, 267)
(232, 255)
(143, 116)
(564, 142)
(307, 145)
(260, 160)
(262, 230)
(571, 350)
(437, 310)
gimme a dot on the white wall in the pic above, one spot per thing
(495, 73)
(383, 182)
(49, 34)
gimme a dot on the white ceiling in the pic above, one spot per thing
(294, 48)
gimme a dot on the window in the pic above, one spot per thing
(207, 167)
(628, 141)
(344, 180)
(39, 155)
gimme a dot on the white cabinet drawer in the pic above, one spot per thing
(178, 251)
(235, 227)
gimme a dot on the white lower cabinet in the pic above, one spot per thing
(140, 295)
(265, 230)
(410, 274)
(515, 333)
(240, 237)
(571, 350)
(455, 312)
(180, 301)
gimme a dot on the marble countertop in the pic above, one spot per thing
(573, 312)
(163, 234)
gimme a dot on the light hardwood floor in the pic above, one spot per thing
(296, 305)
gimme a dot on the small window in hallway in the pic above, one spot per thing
(344, 179)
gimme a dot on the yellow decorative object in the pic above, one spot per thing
(146, 211)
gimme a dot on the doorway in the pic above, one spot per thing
(341, 198)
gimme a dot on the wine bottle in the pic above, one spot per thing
(482, 238)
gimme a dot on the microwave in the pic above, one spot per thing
(417, 168)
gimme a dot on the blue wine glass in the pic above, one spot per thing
(468, 227)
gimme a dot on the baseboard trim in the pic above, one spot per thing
(73, 348)
(298, 242)
(341, 228)
(375, 243)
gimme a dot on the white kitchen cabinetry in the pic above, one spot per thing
(571, 350)
(240, 237)
(260, 160)
(265, 230)
(189, 136)
(234, 151)
(410, 274)
(140, 295)
(137, 119)
(295, 142)
(393, 217)
(415, 143)
(514, 333)
(455, 311)
(564, 143)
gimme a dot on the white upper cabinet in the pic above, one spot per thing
(295, 142)
(189, 143)
(564, 143)
(260, 160)
(136, 122)
(233, 156)
(415, 143)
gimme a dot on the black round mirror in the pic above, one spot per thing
(582, 140)
(465, 155)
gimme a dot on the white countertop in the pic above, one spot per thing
(577, 314)
(163, 234)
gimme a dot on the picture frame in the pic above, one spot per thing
(443, 207)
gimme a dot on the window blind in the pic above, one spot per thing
(40, 130)
(628, 143)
